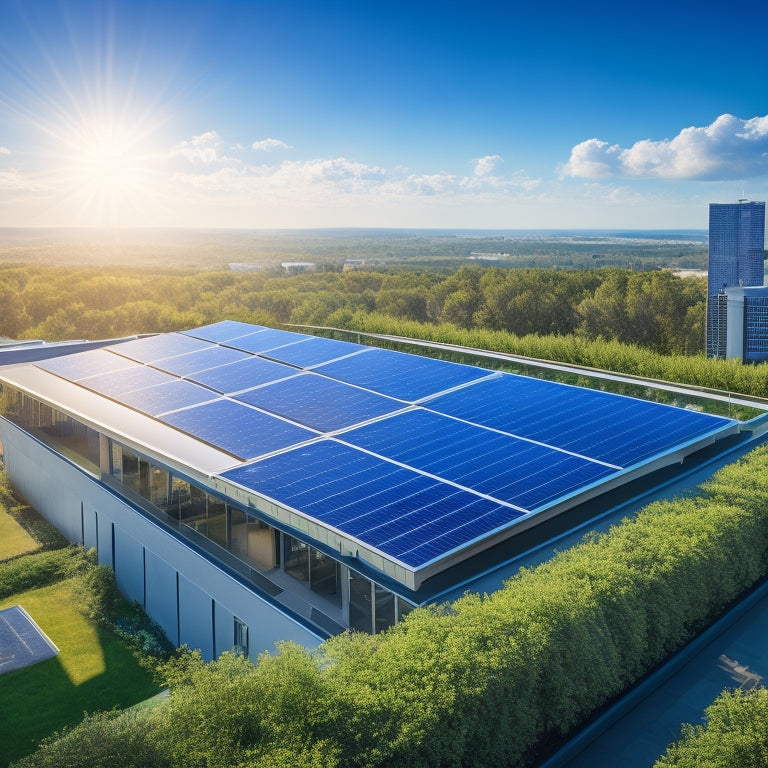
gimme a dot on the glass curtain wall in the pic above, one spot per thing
(69, 436)
(372, 608)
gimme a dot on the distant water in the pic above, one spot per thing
(564, 235)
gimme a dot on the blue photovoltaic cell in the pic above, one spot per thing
(237, 429)
(223, 331)
(407, 377)
(81, 364)
(201, 360)
(612, 428)
(246, 374)
(152, 348)
(314, 351)
(167, 397)
(525, 474)
(118, 383)
(319, 403)
(263, 341)
(395, 510)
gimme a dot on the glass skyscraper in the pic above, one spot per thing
(736, 242)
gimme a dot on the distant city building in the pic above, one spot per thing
(736, 242)
(742, 316)
(297, 267)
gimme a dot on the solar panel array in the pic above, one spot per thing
(409, 456)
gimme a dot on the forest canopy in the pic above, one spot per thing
(656, 310)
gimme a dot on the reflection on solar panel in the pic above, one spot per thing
(320, 403)
(223, 331)
(395, 510)
(265, 340)
(152, 348)
(120, 382)
(619, 430)
(237, 429)
(81, 364)
(194, 362)
(525, 474)
(169, 396)
(250, 372)
(407, 377)
(313, 351)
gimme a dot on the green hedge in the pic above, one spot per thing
(486, 680)
(40, 570)
(735, 735)
(697, 370)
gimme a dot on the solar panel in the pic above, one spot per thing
(245, 374)
(314, 351)
(319, 403)
(407, 377)
(393, 509)
(223, 330)
(81, 364)
(152, 348)
(263, 341)
(525, 474)
(168, 396)
(237, 429)
(127, 380)
(612, 428)
(201, 360)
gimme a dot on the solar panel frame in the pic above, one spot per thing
(601, 425)
(127, 380)
(400, 375)
(266, 340)
(81, 365)
(237, 429)
(515, 471)
(384, 506)
(151, 348)
(314, 351)
(223, 331)
(166, 397)
(248, 373)
(314, 401)
(200, 360)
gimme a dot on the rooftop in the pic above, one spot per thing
(408, 463)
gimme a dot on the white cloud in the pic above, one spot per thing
(338, 178)
(729, 148)
(267, 145)
(203, 148)
(5, 151)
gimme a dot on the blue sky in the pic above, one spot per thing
(399, 114)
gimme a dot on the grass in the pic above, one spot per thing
(94, 671)
(14, 539)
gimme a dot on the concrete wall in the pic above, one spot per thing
(193, 600)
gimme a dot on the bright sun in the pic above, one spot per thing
(106, 170)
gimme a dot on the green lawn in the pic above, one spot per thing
(14, 540)
(93, 671)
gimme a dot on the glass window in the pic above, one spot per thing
(241, 637)
(384, 608)
(296, 558)
(360, 603)
(324, 574)
(217, 521)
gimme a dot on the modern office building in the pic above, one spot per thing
(249, 485)
(742, 315)
(736, 244)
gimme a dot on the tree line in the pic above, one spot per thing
(486, 680)
(655, 310)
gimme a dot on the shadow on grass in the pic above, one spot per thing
(40, 699)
